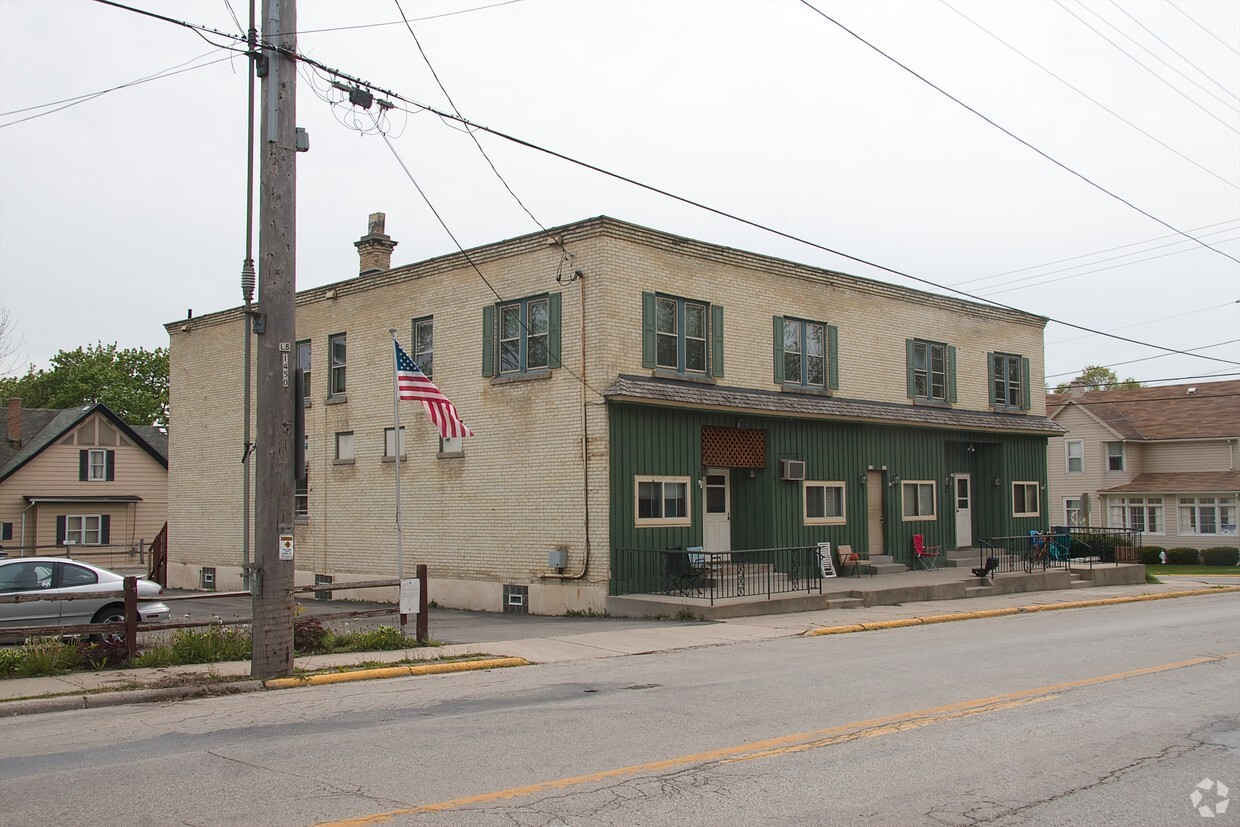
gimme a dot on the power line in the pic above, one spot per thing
(1152, 321)
(1091, 99)
(1146, 358)
(1175, 51)
(1203, 28)
(684, 200)
(1158, 398)
(1012, 135)
(1159, 77)
(1098, 253)
(399, 22)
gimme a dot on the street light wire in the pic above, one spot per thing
(1012, 135)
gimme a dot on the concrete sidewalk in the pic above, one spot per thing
(111, 687)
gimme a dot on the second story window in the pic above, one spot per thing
(522, 336)
(805, 353)
(337, 384)
(1074, 452)
(96, 465)
(681, 335)
(931, 371)
(424, 345)
(1009, 381)
(1115, 456)
(303, 362)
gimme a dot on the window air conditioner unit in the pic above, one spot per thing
(791, 469)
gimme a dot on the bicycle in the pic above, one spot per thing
(1037, 552)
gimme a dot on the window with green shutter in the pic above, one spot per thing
(682, 335)
(805, 353)
(931, 370)
(521, 336)
(1008, 379)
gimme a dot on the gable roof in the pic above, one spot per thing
(1212, 410)
(42, 427)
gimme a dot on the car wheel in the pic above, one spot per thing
(109, 614)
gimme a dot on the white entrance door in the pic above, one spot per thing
(962, 484)
(717, 515)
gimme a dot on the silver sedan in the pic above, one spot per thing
(52, 577)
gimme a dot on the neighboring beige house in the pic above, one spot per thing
(1164, 461)
(80, 477)
(630, 391)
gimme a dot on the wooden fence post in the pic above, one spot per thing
(131, 618)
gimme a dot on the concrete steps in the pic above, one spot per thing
(965, 558)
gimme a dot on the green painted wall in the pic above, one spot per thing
(767, 511)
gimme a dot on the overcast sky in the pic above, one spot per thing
(120, 213)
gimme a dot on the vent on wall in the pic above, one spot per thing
(791, 469)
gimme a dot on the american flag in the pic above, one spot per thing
(412, 384)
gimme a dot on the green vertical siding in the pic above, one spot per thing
(767, 511)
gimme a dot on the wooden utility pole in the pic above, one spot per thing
(271, 582)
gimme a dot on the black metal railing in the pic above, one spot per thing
(1027, 552)
(715, 576)
(1090, 546)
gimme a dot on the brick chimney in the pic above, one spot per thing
(375, 248)
(1076, 390)
(15, 422)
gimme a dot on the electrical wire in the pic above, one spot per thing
(1092, 100)
(1012, 135)
(1161, 399)
(1100, 252)
(1151, 321)
(1147, 358)
(1159, 77)
(399, 22)
(688, 201)
(80, 99)
(1174, 51)
(1203, 28)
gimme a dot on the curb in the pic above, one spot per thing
(36, 706)
(393, 672)
(1015, 610)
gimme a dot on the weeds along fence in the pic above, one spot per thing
(132, 625)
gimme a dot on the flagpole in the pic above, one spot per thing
(396, 440)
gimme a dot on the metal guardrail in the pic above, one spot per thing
(1062, 547)
(717, 576)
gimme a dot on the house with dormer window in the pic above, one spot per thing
(629, 389)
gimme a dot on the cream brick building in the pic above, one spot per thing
(629, 389)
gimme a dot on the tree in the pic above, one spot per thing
(8, 344)
(1098, 378)
(133, 382)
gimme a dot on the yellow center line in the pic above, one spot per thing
(787, 744)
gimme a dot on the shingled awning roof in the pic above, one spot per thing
(1185, 482)
(653, 390)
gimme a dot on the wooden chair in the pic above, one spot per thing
(926, 555)
(848, 557)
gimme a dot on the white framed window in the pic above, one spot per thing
(662, 501)
(84, 529)
(920, 500)
(1208, 515)
(929, 370)
(453, 445)
(301, 498)
(1025, 499)
(524, 335)
(823, 503)
(805, 353)
(1074, 511)
(1144, 514)
(1074, 454)
(389, 442)
(97, 465)
(344, 446)
(304, 362)
(1115, 456)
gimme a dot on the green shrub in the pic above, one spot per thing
(217, 643)
(105, 653)
(1149, 555)
(380, 638)
(1220, 556)
(10, 659)
(1183, 556)
(47, 656)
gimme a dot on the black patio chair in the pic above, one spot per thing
(988, 570)
(682, 576)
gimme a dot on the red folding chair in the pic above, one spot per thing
(926, 555)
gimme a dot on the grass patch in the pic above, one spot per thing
(1164, 570)
(590, 612)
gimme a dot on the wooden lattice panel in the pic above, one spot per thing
(733, 447)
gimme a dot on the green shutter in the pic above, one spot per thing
(105, 530)
(553, 329)
(951, 373)
(488, 340)
(777, 339)
(716, 335)
(908, 368)
(1026, 392)
(833, 347)
(990, 380)
(647, 330)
